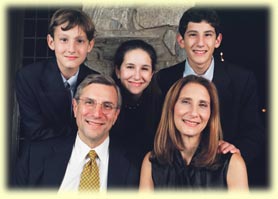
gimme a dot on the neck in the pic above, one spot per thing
(132, 99)
(200, 69)
(190, 145)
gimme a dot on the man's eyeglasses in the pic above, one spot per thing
(106, 107)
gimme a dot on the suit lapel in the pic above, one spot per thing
(53, 91)
(117, 168)
(222, 80)
(56, 164)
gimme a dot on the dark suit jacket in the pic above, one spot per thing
(42, 164)
(43, 101)
(238, 104)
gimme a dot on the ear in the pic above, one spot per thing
(180, 40)
(218, 40)
(91, 45)
(50, 42)
(74, 106)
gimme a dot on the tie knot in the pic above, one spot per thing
(67, 85)
(92, 155)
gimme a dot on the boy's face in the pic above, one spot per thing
(199, 42)
(71, 48)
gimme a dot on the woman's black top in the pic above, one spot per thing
(180, 176)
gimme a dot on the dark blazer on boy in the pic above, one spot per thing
(238, 98)
(44, 103)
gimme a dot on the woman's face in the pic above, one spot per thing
(192, 110)
(136, 72)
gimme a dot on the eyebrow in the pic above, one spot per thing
(88, 98)
(190, 99)
(145, 65)
(195, 31)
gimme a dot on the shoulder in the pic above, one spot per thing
(237, 173)
(86, 69)
(45, 146)
(236, 160)
(178, 66)
(33, 68)
(35, 71)
(233, 70)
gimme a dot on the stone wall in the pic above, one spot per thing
(157, 26)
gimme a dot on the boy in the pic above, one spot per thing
(44, 90)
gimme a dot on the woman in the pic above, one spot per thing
(186, 143)
(135, 128)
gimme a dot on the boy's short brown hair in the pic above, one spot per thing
(73, 17)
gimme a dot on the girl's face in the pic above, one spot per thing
(192, 110)
(136, 72)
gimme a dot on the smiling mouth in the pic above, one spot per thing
(94, 123)
(136, 84)
(199, 52)
(191, 123)
(71, 57)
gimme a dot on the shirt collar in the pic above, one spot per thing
(208, 74)
(72, 80)
(83, 149)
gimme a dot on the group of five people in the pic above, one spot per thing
(171, 117)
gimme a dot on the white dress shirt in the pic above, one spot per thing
(78, 160)
(208, 74)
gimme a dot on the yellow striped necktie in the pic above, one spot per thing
(89, 180)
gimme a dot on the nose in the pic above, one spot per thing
(137, 74)
(194, 110)
(200, 41)
(97, 111)
(71, 47)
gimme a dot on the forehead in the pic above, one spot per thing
(100, 92)
(195, 91)
(76, 30)
(135, 53)
(201, 26)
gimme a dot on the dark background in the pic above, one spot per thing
(246, 34)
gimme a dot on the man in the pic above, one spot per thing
(58, 163)
(199, 35)
(44, 90)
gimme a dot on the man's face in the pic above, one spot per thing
(199, 42)
(71, 48)
(94, 121)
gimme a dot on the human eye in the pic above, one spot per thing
(192, 34)
(185, 101)
(203, 104)
(81, 41)
(107, 106)
(89, 102)
(63, 39)
(129, 66)
(145, 68)
(209, 34)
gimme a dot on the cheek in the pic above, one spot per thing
(124, 75)
(147, 76)
(206, 116)
(177, 113)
